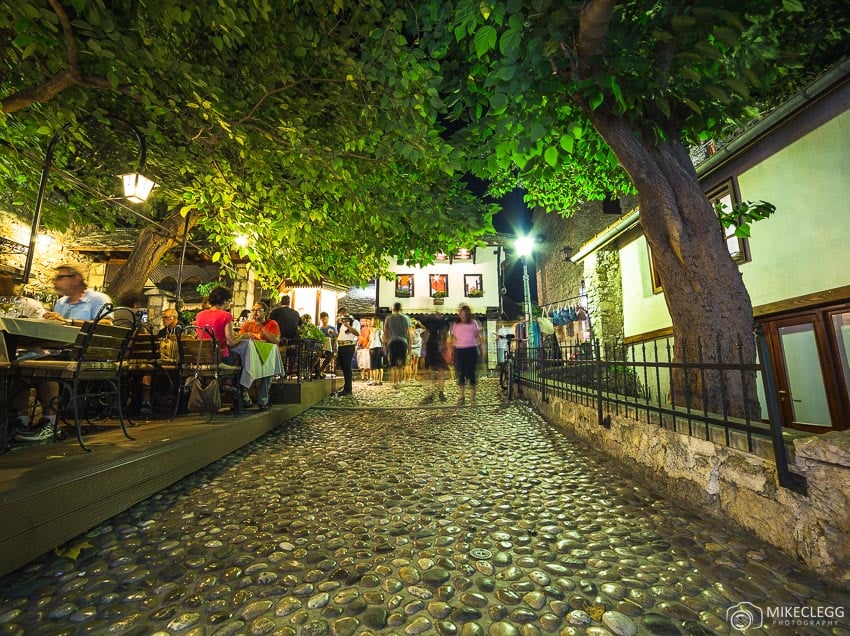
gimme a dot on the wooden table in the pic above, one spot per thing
(33, 332)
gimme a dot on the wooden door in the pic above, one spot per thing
(809, 352)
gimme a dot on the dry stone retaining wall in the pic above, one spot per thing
(729, 484)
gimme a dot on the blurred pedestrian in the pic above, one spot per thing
(434, 347)
(396, 333)
(327, 346)
(363, 358)
(376, 354)
(415, 351)
(465, 340)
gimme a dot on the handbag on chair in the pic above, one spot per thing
(203, 399)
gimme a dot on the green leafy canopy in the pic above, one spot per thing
(307, 128)
(526, 79)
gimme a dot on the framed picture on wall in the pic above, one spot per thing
(473, 286)
(438, 285)
(404, 285)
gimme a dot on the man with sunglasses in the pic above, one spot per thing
(78, 303)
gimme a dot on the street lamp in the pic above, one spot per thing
(137, 187)
(524, 246)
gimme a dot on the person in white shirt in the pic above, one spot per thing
(24, 307)
(349, 330)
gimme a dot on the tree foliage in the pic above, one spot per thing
(308, 129)
(526, 77)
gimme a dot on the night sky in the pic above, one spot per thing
(515, 218)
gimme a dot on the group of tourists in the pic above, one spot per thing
(403, 342)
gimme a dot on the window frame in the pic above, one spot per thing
(730, 188)
(469, 285)
(432, 285)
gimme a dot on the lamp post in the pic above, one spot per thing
(524, 246)
(137, 187)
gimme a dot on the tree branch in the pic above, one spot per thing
(68, 35)
(593, 27)
(54, 85)
(43, 93)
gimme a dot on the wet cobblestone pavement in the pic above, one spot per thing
(442, 520)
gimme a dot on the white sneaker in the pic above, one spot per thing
(41, 434)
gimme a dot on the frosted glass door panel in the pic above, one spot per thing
(805, 381)
(841, 324)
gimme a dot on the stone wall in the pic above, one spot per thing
(733, 485)
(558, 279)
(50, 252)
(605, 295)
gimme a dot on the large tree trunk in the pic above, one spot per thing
(710, 307)
(151, 246)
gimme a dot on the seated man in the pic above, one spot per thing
(259, 327)
(77, 305)
(326, 357)
(24, 307)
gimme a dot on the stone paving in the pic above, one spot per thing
(371, 515)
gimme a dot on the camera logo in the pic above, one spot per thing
(744, 616)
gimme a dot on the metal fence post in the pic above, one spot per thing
(598, 360)
(787, 479)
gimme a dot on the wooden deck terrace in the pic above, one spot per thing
(52, 492)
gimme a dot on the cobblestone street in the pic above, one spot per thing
(371, 514)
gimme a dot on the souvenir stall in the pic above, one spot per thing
(565, 325)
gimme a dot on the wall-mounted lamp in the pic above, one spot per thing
(566, 253)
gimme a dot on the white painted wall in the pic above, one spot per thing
(803, 247)
(800, 250)
(486, 264)
(642, 309)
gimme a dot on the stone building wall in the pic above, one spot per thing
(605, 295)
(734, 485)
(50, 252)
(560, 279)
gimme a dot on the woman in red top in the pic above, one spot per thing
(220, 320)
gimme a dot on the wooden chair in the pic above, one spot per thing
(201, 357)
(144, 364)
(88, 377)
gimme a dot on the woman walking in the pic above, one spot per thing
(465, 347)
(376, 354)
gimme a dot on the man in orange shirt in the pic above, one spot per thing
(259, 327)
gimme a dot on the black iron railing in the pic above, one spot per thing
(708, 400)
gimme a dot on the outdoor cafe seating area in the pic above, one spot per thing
(104, 368)
(58, 490)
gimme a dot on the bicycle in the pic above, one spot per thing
(506, 366)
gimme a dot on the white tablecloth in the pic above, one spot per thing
(259, 360)
(34, 332)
